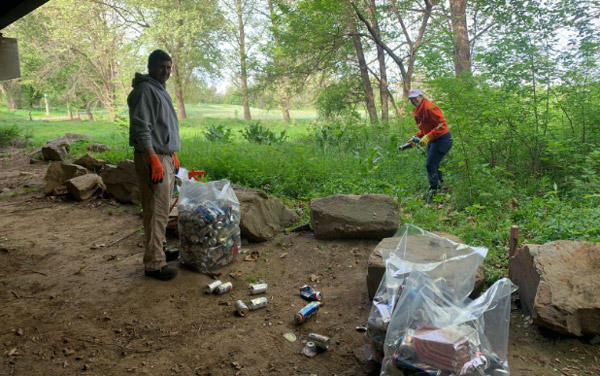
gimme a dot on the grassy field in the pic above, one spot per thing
(318, 159)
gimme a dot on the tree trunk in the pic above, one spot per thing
(460, 39)
(178, 79)
(6, 89)
(383, 84)
(180, 105)
(46, 104)
(243, 69)
(89, 113)
(69, 111)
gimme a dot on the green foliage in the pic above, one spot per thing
(256, 133)
(13, 136)
(218, 132)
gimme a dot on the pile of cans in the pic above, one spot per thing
(209, 233)
(255, 288)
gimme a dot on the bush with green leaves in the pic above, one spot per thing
(257, 134)
(12, 136)
(218, 132)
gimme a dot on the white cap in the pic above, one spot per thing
(414, 93)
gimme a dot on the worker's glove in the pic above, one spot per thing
(176, 161)
(424, 141)
(157, 172)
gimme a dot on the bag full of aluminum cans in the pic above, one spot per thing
(432, 333)
(209, 224)
(441, 258)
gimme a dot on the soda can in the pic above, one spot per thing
(321, 341)
(308, 293)
(241, 308)
(258, 288)
(211, 287)
(224, 288)
(306, 312)
(257, 303)
(310, 349)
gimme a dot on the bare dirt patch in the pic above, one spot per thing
(67, 308)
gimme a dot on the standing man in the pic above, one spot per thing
(433, 133)
(154, 134)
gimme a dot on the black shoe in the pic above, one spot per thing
(431, 192)
(172, 254)
(164, 274)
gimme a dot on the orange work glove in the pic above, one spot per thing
(156, 169)
(176, 162)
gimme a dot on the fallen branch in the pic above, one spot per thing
(121, 239)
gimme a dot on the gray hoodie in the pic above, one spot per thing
(152, 118)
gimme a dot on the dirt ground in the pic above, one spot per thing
(68, 309)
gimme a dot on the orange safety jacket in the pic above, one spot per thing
(430, 120)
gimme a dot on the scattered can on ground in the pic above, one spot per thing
(322, 342)
(224, 288)
(258, 288)
(308, 293)
(241, 308)
(310, 349)
(257, 303)
(211, 287)
(306, 312)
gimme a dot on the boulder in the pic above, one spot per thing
(76, 136)
(98, 148)
(121, 181)
(90, 162)
(422, 250)
(56, 150)
(58, 173)
(373, 216)
(84, 186)
(262, 216)
(558, 285)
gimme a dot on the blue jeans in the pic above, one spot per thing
(435, 152)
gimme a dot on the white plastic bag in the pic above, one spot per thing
(209, 224)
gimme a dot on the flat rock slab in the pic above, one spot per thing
(57, 149)
(121, 181)
(370, 216)
(58, 173)
(98, 148)
(84, 186)
(423, 249)
(559, 285)
(90, 162)
(262, 216)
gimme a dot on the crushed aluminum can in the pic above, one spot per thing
(224, 288)
(211, 287)
(257, 303)
(322, 342)
(258, 288)
(305, 313)
(241, 308)
(308, 293)
(310, 349)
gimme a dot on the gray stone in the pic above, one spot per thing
(121, 181)
(83, 187)
(373, 216)
(263, 216)
(98, 148)
(75, 136)
(90, 162)
(56, 150)
(422, 250)
(558, 285)
(58, 173)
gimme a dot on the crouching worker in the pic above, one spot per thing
(433, 133)
(154, 134)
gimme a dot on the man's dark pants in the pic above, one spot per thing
(435, 152)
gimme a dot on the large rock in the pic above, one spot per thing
(83, 187)
(57, 149)
(76, 136)
(90, 162)
(559, 285)
(373, 216)
(121, 181)
(263, 216)
(58, 173)
(421, 249)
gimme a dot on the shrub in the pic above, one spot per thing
(218, 133)
(257, 134)
(11, 136)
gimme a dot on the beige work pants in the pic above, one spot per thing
(156, 199)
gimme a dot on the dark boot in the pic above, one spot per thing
(164, 274)
(172, 254)
(430, 194)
